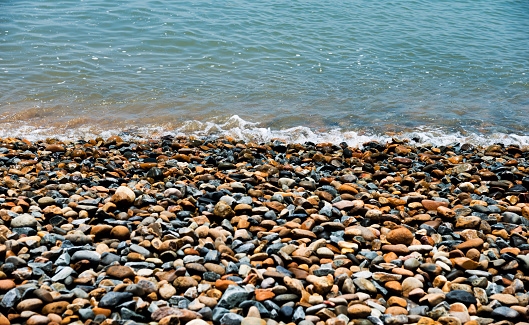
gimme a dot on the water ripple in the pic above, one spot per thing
(356, 65)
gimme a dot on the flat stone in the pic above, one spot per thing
(57, 307)
(505, 299)
(112, 299)
(505, 313)
(183, 315)
(62, 274)
(38, 320)
(460, 296)
(472, 243)
(233, 296)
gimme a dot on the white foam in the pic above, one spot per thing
(241, 129)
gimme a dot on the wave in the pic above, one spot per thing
(241, 129)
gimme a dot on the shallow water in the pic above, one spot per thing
(326, 70)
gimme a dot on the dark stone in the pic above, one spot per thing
(286, 312)
(108, 258)
(505, 312)
(218, 312)
(155, 173)
(262, 309)
(10, 299)
(233, 296)
(92, 257)
(112, 299)
(460, 296)
(86, 313)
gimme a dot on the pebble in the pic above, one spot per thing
(197, 231)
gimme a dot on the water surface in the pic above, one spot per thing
(432, 68)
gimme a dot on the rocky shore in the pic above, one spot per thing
(219, 231)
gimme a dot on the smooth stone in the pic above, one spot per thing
(24, 220)
(112, 299)
(460, 296)
(505, 312)
(358, 311)
(400, 235)
(91, 256)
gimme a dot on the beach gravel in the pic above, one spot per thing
(180, 230)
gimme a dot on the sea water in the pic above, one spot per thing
(430, 70)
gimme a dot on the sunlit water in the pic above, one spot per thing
(327, 70)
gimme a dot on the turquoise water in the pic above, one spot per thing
(433, 68)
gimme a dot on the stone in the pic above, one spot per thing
(505, 299)
(6, 285)
(410, 284)
(120, 272)
(397, 301)
(365, 285)
(322, 285)
(233, 296)
(472, 243)
(400, 235)
(223, 210)
(294, 285)
(396, 310)
(460, 296)
(358, 311)
(505, 313)
(55, 307)
(92, 257)
(184, 316)
(11, 298)
(231, 319)
(198, 322)
(364, 232)
(166, 291)
(253, 321)
(120, 233)
(431, 205)
(113, 299)
(24, 220)
(172, 229)
(32, 304)
(123, 196)
(263, 294)
(469, 222)
(182, 283)
(459, 311)
(38, 320)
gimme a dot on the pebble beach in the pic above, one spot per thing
(183, 230)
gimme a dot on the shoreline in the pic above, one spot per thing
(238, 128)
(179, 230)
